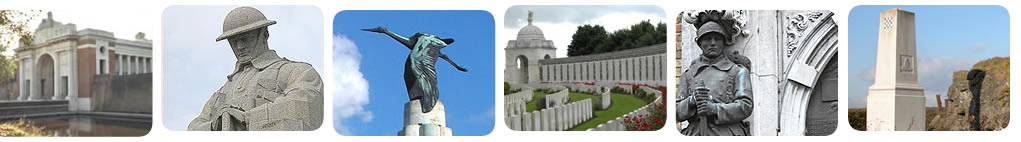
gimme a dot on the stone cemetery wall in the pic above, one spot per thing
(122, 93)
(645, 65)
(557, 118)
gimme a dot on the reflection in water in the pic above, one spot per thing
(88, 125)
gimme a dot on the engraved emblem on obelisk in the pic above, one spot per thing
(906, 63)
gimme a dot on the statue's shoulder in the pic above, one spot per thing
(291, 67)
(288, 64)
(740, 60)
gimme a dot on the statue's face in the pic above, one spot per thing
(244, 45)
(711, 44)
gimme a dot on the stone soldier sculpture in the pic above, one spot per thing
(420, 66)
(714, 95)
(265, 91)
(975, 77)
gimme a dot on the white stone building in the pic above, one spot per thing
(523, 55)
(62, 61)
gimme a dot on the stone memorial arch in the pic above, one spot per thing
(62, 63)
(45, 78)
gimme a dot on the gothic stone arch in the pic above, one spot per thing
(810, 43)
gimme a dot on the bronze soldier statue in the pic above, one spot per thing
(265, 91)
(715, 94)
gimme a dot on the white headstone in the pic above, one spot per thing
(516, 122)
(896, 101)
(560, 118)
(526, 124)
(537, 121)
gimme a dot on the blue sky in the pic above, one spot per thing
(949, 38)
(362, 57)
(195, 65)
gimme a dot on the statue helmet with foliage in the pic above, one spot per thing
(729, 22)
(726, 22)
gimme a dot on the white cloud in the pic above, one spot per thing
(490, 114)
(935, 74)
(868, 74)
(352, 90)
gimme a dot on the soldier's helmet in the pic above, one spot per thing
(710, 27)
(241, 20)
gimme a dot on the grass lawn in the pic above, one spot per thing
(575, 96)
(530, 106)
(622, 104)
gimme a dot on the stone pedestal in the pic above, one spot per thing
(417, 123)
(896, 102)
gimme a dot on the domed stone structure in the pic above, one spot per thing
(523, 54)
(530, 32)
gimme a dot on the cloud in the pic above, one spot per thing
(935, 74)
(491, 114)
(517, 16)
(868, 74)
(351, 89)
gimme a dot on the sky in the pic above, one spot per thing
(369, 68)
(123, 28)
(195, 64)
(949, 38)
(559, 22)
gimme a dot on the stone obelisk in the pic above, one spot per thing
(896, 101)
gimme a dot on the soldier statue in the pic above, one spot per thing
(264, 92)
(714, 94)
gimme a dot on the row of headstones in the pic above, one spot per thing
(514, 108)
(558, 98)
(618, 123)
(557, 118)
(524, 96)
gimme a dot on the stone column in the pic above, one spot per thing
(131, 65)
(895, 100)
(35, 91)
(56, 79)
(22, 80)
(145, 65)
(433, 123)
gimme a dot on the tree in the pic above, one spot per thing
(584, 40)
(589, 39)
(14, 30)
